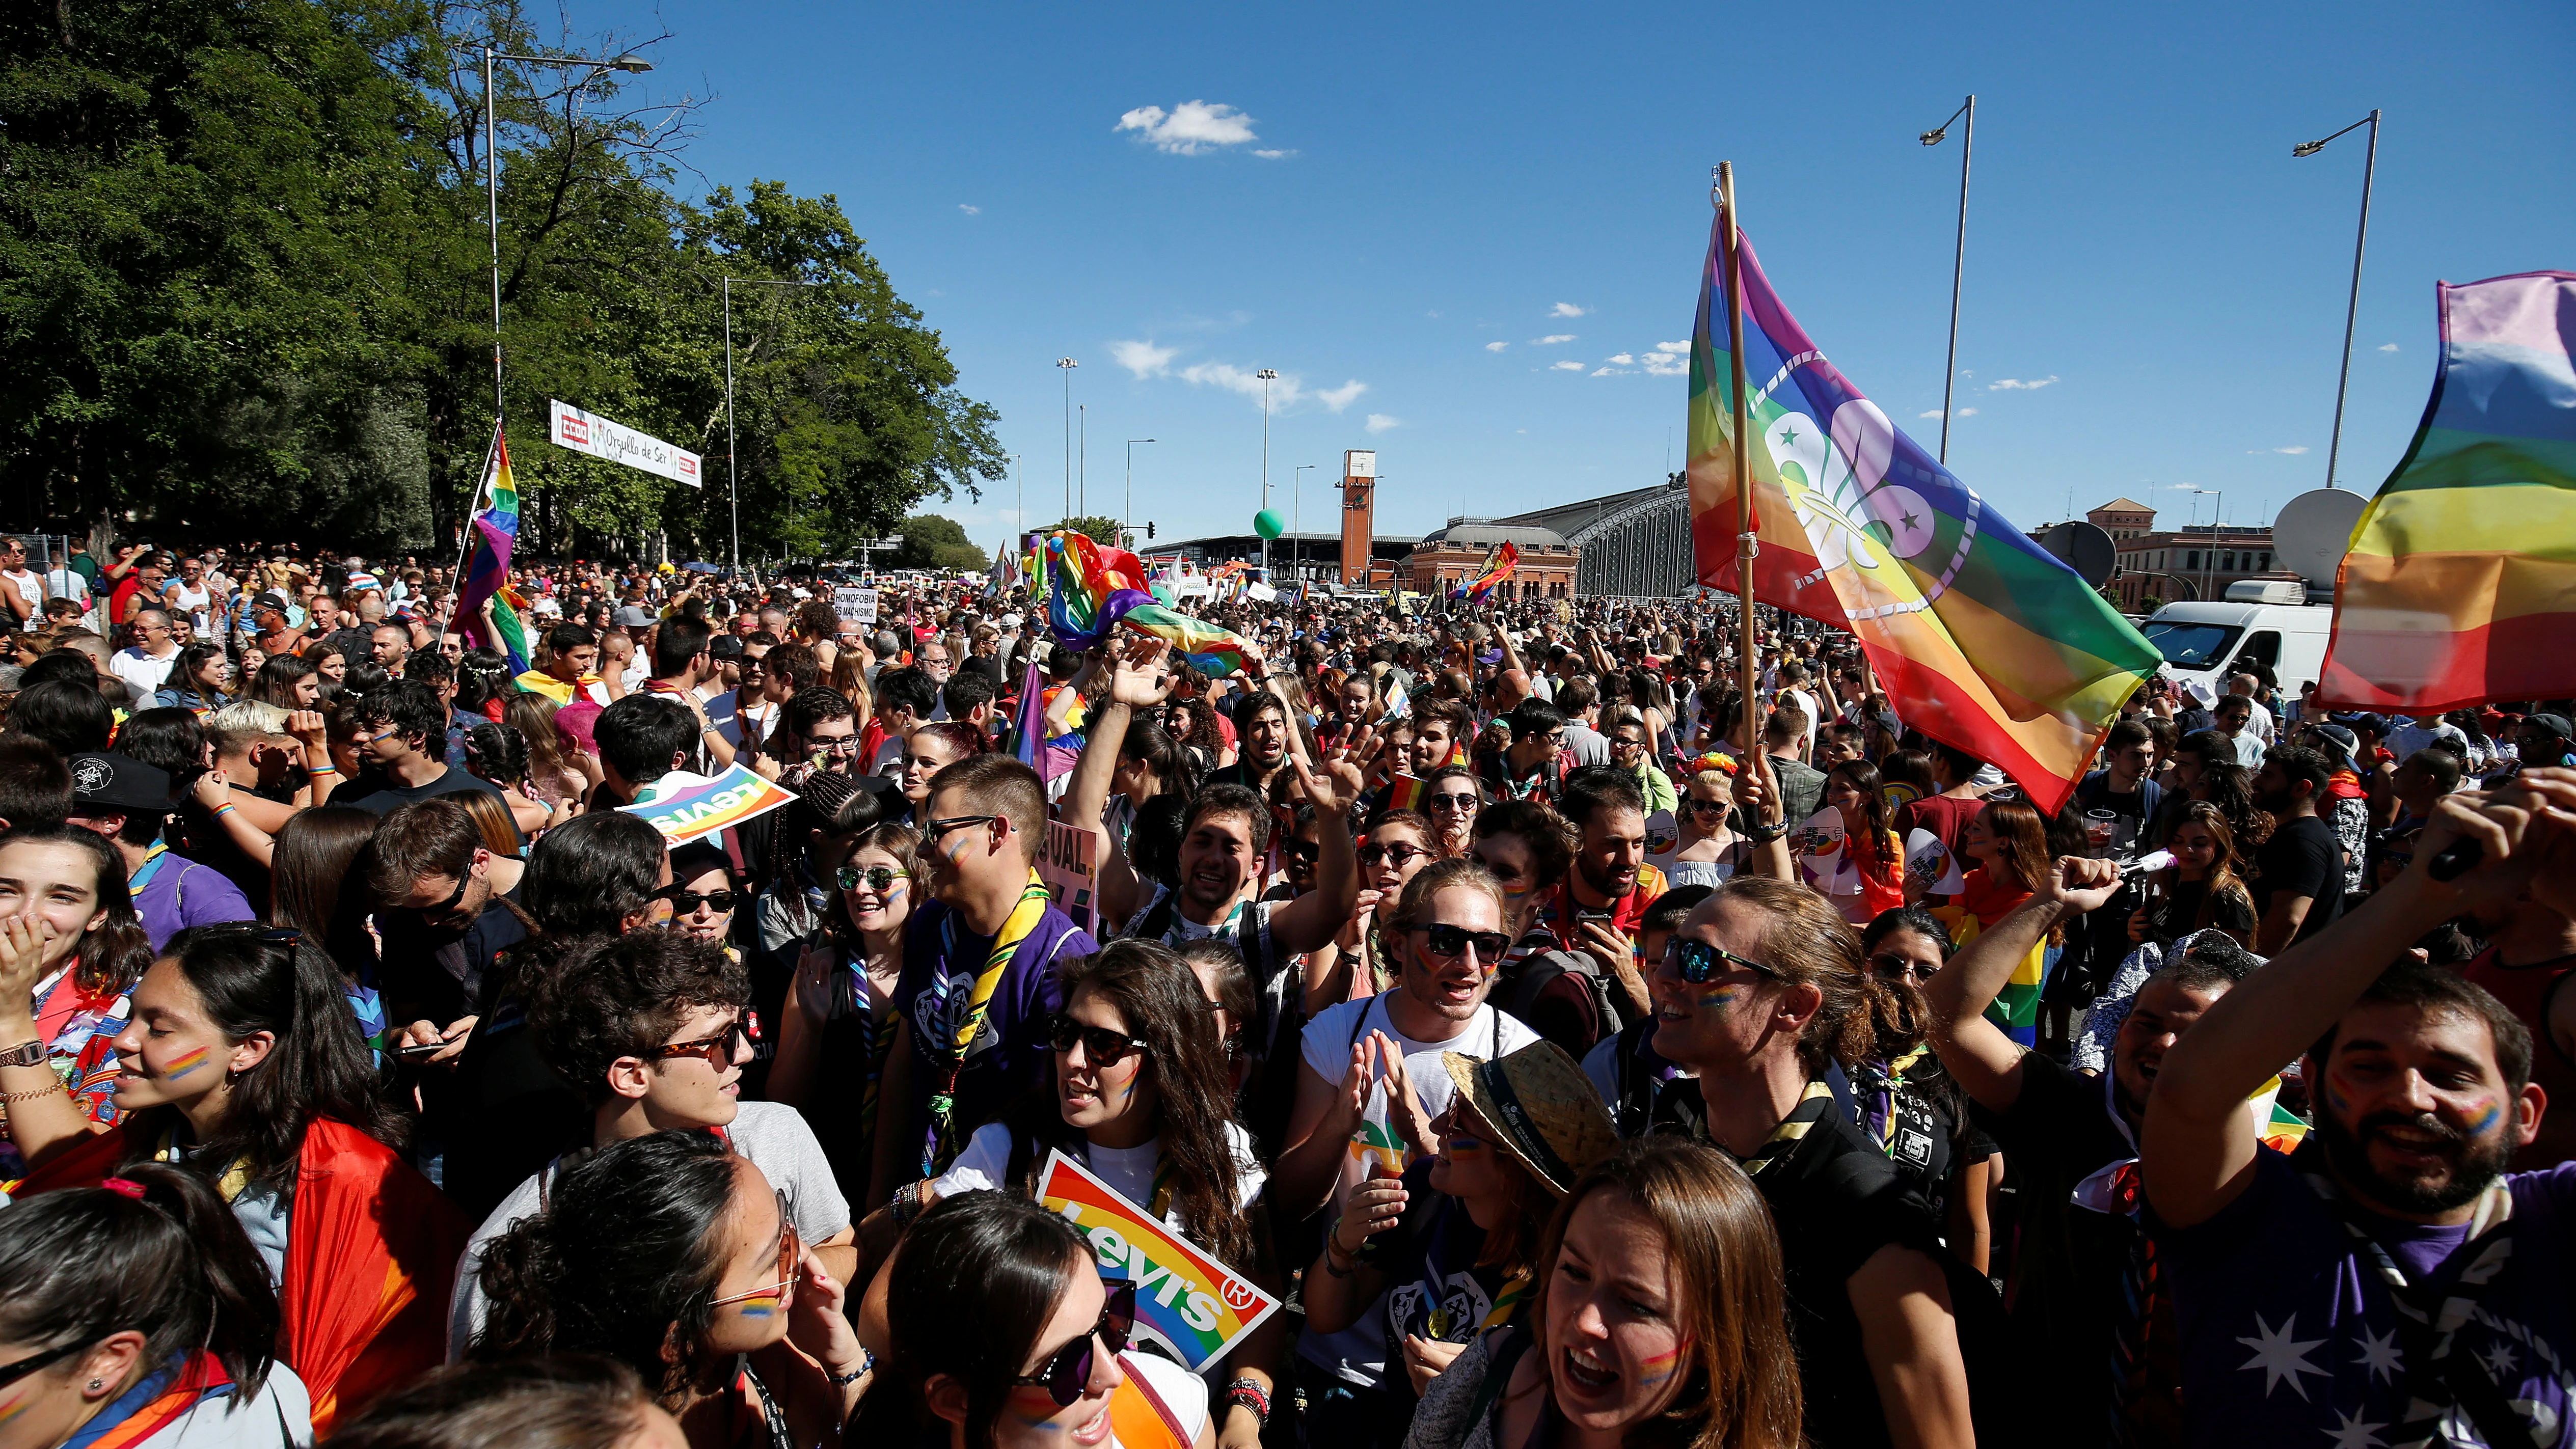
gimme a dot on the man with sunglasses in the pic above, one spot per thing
(653, 1030)
(444, 906)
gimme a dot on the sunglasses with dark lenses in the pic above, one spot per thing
(687, 902)
(1400, 854)
(1453, 802)
(1704, 807)
(1697, 961)
(1067, 1371)
(717, 1051)
(790, 1248)
(11, 1373)
(1891, 967)
(1100, 1045)
(1306, 850)
(878, 878)
(1452, 942)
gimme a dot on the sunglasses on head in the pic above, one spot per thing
(717, 1050)
(878, 878)
(1100, 1045)
(790, 1248)
(1400, 853)
(1697, 961)
(1450, 942)
(1067, 1371)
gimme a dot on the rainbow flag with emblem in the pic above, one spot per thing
(487, 569)
(2461, 584)
(1497, 567)
(1091, 590)
(1985, 640)
(1189, 1302)
(685, 807)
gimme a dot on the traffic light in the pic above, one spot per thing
(1149, 528)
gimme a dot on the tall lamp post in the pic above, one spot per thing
(1130, 519)
(1959, 261)
(733, 494)
(2352, 308)
(1267, 377)
(1067, 364)
(2218, 525)
(1297, 518)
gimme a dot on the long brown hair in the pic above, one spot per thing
(1809, 943)
(317, 850)
(1874, 809)
(1731, 1310)
(1156, 993)
(113, 957)
(2222, 866)
(2021, 840)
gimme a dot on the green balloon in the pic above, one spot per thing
(1267, 524)
(1164, 596)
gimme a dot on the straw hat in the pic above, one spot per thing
(1543, 1110)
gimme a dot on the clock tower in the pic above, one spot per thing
(1359, 483)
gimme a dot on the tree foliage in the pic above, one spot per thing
(244, 288)
(933, 542)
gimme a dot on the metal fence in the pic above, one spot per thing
(1641, 551)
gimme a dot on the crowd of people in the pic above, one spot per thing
(1583, 1049)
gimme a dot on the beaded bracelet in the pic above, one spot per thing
(1249, 1393)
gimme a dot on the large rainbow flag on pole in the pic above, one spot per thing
(487, 570)
(1497, 567)
(1983, 639)
(2461, 584)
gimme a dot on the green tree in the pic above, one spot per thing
(933, 542)
(1102, 530)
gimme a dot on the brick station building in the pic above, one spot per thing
(1450, 557)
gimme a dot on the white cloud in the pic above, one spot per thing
(1680, 347)
(1551, 339)
(1668, 361)
(1496, 346)
(1967, 412)
(2388, 347)
(1567, 309)
(1143, 358)
(970, 210)
(1566, 367)
(1274, 155)
(1189, 128)
(1621, 358)
(1338, 398)
(1614, 372)
(2014, 384)
(1380, 422)
(2293, 452)
(1930, 413)
(1936, 412)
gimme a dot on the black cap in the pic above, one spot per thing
(2555, 724)
(118, 785)
(724, 646)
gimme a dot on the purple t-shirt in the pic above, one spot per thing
(172, 893)
(2289, 1337)
(940, 963)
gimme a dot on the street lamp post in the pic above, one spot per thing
(2352, 308)
(1267, 377)
(733, 493)
(1130, 520)
(2218, 525)
(1297, 518)
(1082, 454)
(1067, 364)
(1959, 260)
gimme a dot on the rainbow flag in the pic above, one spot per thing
(2461, 584)
(1189, 1302)
(1985, 640)
(684, 806)
(487, 570)
(1091, 590)
(1497, 567)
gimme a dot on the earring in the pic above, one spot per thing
(97, 1384)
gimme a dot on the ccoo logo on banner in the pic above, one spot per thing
(600, 438)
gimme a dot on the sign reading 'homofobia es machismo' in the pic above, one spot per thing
(590, 433)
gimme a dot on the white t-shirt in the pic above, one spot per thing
(141, 670)
(279, 1416)
(1805, 701)
(768, 1135)
(66, 583)
(986, 1163)
(1357, 1354)
(30, 588)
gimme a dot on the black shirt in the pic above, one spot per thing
(438, 976)
(393, 795)
(2303, 858)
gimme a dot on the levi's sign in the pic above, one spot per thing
(590, 433)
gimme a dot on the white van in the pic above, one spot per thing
(2263, 621)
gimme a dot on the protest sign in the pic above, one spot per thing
(1185, 1300)
(684, 806)
(1068, 863)
(855, 604)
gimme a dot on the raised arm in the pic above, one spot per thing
(2199, 1141)
(1314, 918)
(1985, 1062)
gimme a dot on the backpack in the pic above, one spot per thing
(1537, 971)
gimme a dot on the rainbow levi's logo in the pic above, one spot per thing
(1189, 1302)
(684, 807)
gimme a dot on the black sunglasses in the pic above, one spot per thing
(25, 1366)
(1453, 801)
(1100, 1045)
(687, 902)
(1697, 961)
(1452, 941)
(1067, 1371)
(1399, 853)
(1888, 966)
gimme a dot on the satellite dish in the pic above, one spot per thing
(2313, 532)
(2084, 548)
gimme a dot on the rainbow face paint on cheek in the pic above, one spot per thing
(188, 1063)
(1463, 1146)
(1034, 1409)
(15, 1406)
(1662, 1366)
(758, 1307)
(1719, 1000)
(2487, 1119)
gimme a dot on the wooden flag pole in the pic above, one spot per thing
(1746, 545)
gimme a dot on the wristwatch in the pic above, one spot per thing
(1765, 834)
(30, 1053)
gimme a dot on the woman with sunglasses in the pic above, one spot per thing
(1658, 1321)
(1452, 1245)
(839, 1021)
(136, 1312)
(1395, 849)
(674, 1256)
(1762, 992)
(1909, 1106)
(1009, 1338)
(1450, 797)
(243, 1061)
(1139, 1096)
(1710, 850)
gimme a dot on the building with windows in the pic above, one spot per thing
(2123, 518)
(2198, 562)
(1457, 553)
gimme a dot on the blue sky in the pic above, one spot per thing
(1398, 207)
